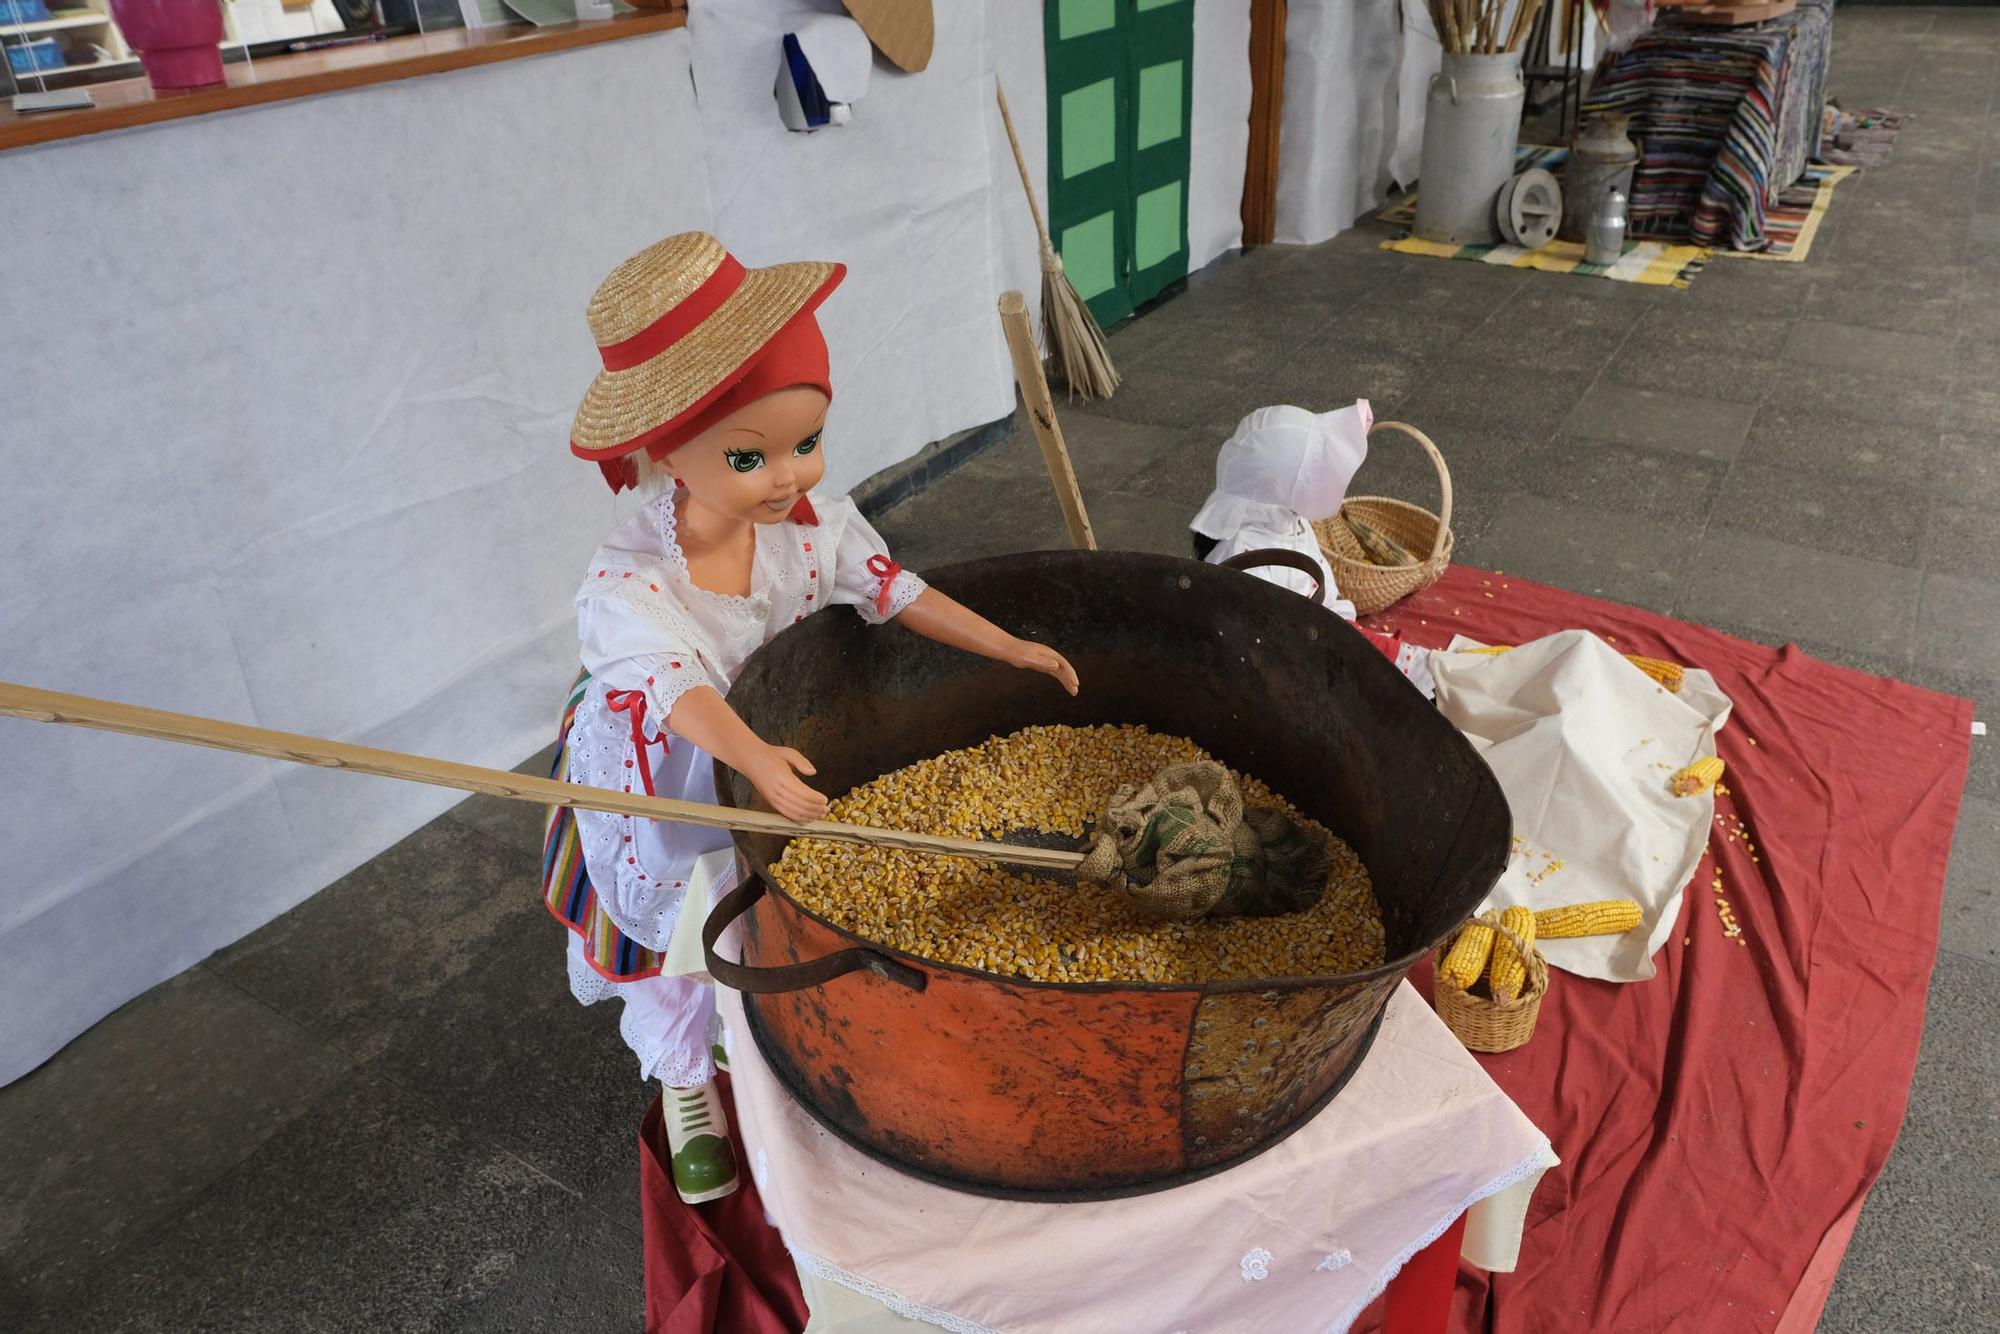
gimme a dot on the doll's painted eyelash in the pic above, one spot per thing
(744, 460)
(808, 445)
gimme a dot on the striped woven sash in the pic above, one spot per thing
(566, 886)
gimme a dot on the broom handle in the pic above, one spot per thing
(1042, 412)
(49, 706)
(1020, 162)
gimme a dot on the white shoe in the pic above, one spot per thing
(703, 1161)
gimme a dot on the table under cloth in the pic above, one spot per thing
(1725, 118)
(1721, 1124)
(1303, 1236)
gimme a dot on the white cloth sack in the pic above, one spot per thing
(1419, 1136)
(1585, 745)
(1282, 470)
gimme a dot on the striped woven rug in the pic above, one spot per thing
(1791, 223)
(1654, 263)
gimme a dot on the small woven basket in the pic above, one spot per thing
(1494, 1024)
(1372, 587)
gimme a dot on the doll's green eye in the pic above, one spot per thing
(808, 445)
(745, 460)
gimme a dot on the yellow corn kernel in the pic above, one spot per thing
(1509, 972)
(1465, 962)
(1668, 674)
(1607, 917)
(1697, 778)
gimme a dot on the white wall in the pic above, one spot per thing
(284, 400)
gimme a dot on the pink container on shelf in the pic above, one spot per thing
(178, 41)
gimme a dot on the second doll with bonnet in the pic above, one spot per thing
(1281, 471)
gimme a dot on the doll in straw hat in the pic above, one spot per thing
(715, 376)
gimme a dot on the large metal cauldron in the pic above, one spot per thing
(1064, 1091)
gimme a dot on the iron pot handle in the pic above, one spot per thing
(791, 977)
(1250, 560)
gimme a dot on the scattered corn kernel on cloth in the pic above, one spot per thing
(1721, 1125)
(1584, 745)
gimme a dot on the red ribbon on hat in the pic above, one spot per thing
(680, 321)
(632, 703)
(886, 570)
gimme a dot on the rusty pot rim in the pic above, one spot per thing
(1183, 570)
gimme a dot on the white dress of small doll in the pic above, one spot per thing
(648, 636)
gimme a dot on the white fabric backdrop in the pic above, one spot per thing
(285, 446)
(1340, 125)
(283, 431)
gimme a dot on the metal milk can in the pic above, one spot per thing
(1602, 159)
(1606, 239)
(1472, 122)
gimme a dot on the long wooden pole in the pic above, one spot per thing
(1042, 413)
(49, 706)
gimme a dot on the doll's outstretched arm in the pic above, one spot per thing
(935, 616)
(705, 718)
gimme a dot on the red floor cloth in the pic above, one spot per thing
(715, 1268)
(1720, 1124)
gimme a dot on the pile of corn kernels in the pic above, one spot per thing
(999, 920)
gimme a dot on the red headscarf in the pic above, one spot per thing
(796, 355)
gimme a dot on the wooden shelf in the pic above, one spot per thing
(31, 81)
(57, 21)
(124, 103)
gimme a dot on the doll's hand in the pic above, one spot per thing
(774, 772)
(1042, 658)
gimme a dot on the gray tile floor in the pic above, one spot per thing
(353, 1120)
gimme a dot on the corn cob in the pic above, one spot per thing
(1510, 969)
(1466, 960)
(1697, 778)
(1668, 674)
(1608, 917)
(1381, 548)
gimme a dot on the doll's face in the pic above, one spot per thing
(754, 464)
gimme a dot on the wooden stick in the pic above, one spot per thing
(1021, 164)
(48, 706)
(1042, 412)
(1524, 21)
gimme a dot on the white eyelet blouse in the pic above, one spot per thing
(648, 636)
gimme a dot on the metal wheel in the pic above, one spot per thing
(1530, 209)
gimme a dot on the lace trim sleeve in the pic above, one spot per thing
(859, 559)
(636, 637)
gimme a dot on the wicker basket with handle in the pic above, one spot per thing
(1371, 586)
(1492, 1023)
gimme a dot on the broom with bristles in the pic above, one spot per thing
(1069, 331)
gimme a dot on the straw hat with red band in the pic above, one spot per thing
(688, 335)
